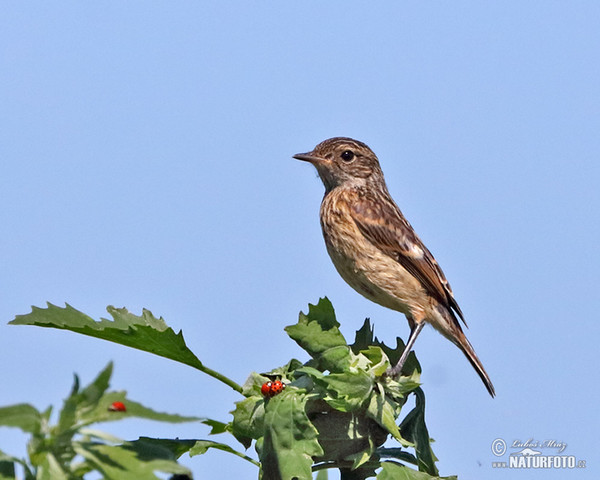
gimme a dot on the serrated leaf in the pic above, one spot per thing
(143, 332)
(216, 427)
(318, 333)
(202, 446)
(322, 313)
(290, 439)
(364, 337)
(23, 416)
(314, 339)
(394, 355)
(414, 429)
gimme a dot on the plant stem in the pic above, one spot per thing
(219, 376)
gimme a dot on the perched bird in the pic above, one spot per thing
(377, 252)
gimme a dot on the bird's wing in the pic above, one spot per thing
(382, 223)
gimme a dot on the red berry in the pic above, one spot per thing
(266, 389)
(117, 407)
(277, 387)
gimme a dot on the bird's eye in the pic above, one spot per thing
(347, 156)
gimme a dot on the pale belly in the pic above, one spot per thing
(377, 276)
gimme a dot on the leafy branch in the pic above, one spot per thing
(337, 410)
(146, 333)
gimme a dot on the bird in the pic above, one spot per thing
(377, 252)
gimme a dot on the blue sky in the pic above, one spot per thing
(146, 162)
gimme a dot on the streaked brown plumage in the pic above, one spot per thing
(375, 249)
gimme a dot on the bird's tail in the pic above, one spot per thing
(466, 347)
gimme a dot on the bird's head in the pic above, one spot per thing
(344, 161)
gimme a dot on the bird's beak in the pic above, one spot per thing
(307, 157)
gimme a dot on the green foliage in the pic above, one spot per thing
(52, 449)
(145, 332)
(337, 410)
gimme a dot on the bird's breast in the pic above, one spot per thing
(363, 266)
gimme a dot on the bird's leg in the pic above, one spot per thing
(414, 333)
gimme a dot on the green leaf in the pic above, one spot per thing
(176, 447)
(92, 405)
(50, 469)
(248, 420)
(309, 371)
(96, 389)
(67, 416)
(322, 475)
(379, 362)
(202, 446)
(146, 333)
(382, 410)
(90, 434)
(131, 461)
(322, 313)
(365, 338)
(285, 372)
(78, 402)
(216, 426)
(398, 389)
(7, 469)
(135, 409)
(251, 386)
(306, 377)
(290, 439)
(318, 333)
(394, 355)
(349, 390)
(413, 428)
(397, 453)
(344, 436)
(23, 416)
(396, 471)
